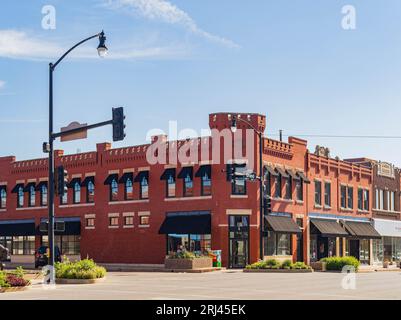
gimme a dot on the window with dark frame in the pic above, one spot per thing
(113, 221)
(144, 220)
(144, 189)
(3, 198)
(299, 190)
(77, 192)
(128, 221)
(43, 195)
(90, 192)
(64, 198)
(129, 189)
(327, 194)
(343, 196)
(238, 182)
(350, 197)
(366, 199)
(170, 186)
(188, 186)
(318, 193)
(114, 190)
(288, 188)
(90, 222)
(32, 196)
(206, 185)
(278, 186)
(360, 199)
(20, 197)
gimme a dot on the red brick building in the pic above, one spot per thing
(122, 208)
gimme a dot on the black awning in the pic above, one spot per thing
(282, 224)
(187, 223)
(3, 187)
(29, 185)
(327, 228)
(361, 230)
(17, 228)
(88, 179)
(282, 172)
(17, 186)
(72, 227)
(40, 184)
(126, 176)
(205, 169)
(167, 173)
(185, 172)
(271, 170)
(141, 175)
(303, 176)
(73, 181)
(110, 178)
(293, 174)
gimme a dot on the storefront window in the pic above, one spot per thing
(364, 251)
(331, 247)
(313, 247)
(196, 243)
(23, 245)
(69, 245)
(278, 244)
(377, 250)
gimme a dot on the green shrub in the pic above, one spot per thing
(337, 263)
(3, 280)
(83, 269)
(19, 272)
(257, 265)
(272, 263)
(299, 266)
(286, 264)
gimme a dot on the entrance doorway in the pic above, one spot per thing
(354, 248)
(238, 241)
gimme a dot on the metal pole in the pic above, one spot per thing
(51, 174)
(261, 196)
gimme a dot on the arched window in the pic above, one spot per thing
(32, 196)
(3, 198)
(43, 195)
(114, 190)
(20, 198)
(170, 186)
(77, 192)
(90, 192)
(129, 190)
(206, 185)
(188, 186)
(144, 192)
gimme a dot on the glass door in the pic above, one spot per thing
(238, 241)
(364, 251)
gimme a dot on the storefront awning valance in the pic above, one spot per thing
(87, 180)
(205, 169)
(126, 176)
(141, 175)
(16, 188)
(110, 178)
(40, 185)
(282, 172)
(29, 185)
(187, 223)
(303, 177)
(361, 230)
(73, 181)
(167, 173)
(185, 172)
(387, 228)
(327, 228)
(271, 170)
(282, 224)
(17, 228)
(72, 226)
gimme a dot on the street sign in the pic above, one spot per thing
(76, 135)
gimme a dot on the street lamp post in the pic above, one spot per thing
(261, 177)
(102, 51)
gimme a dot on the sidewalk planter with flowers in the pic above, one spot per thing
(187, 261)
(13, 281)
(79, 272)
(272, 265)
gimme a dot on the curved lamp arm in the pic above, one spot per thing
(250, 124)
(53, 66)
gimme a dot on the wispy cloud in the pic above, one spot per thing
(17, 44)
(165, 11)
(2, 84)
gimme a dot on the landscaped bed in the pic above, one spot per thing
(13, 280)
(338, 263)
(273, 265)
(85, 271)
(187, 261)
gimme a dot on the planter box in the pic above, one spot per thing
(319, 266)
(280, 259)
(79, 281)
(13, 289)
(182, 264)
(278, 270)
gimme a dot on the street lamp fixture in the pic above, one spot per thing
(234, 125)
(102, 49)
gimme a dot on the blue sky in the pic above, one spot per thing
(182, 59)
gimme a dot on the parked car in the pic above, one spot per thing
(42, 256)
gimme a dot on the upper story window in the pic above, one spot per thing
(113, 190)
(144, 190)
(343, 196)
(350, 197)
(318, 193)
(278, 186)
(238, 182)
(288, 188)
(188, 186)
(90, 192)
(3, 197)
(64, 198)
(43, 195)
(206, 185)
(20, 197)
(170, 186)
(327, 194)
(77, 192)
(299, 190)
(363, 199)
(346, 197)
(129, 189)
(32, 196)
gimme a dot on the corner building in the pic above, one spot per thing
(123, 208)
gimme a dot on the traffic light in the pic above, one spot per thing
(61, 181)
(118, 124)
